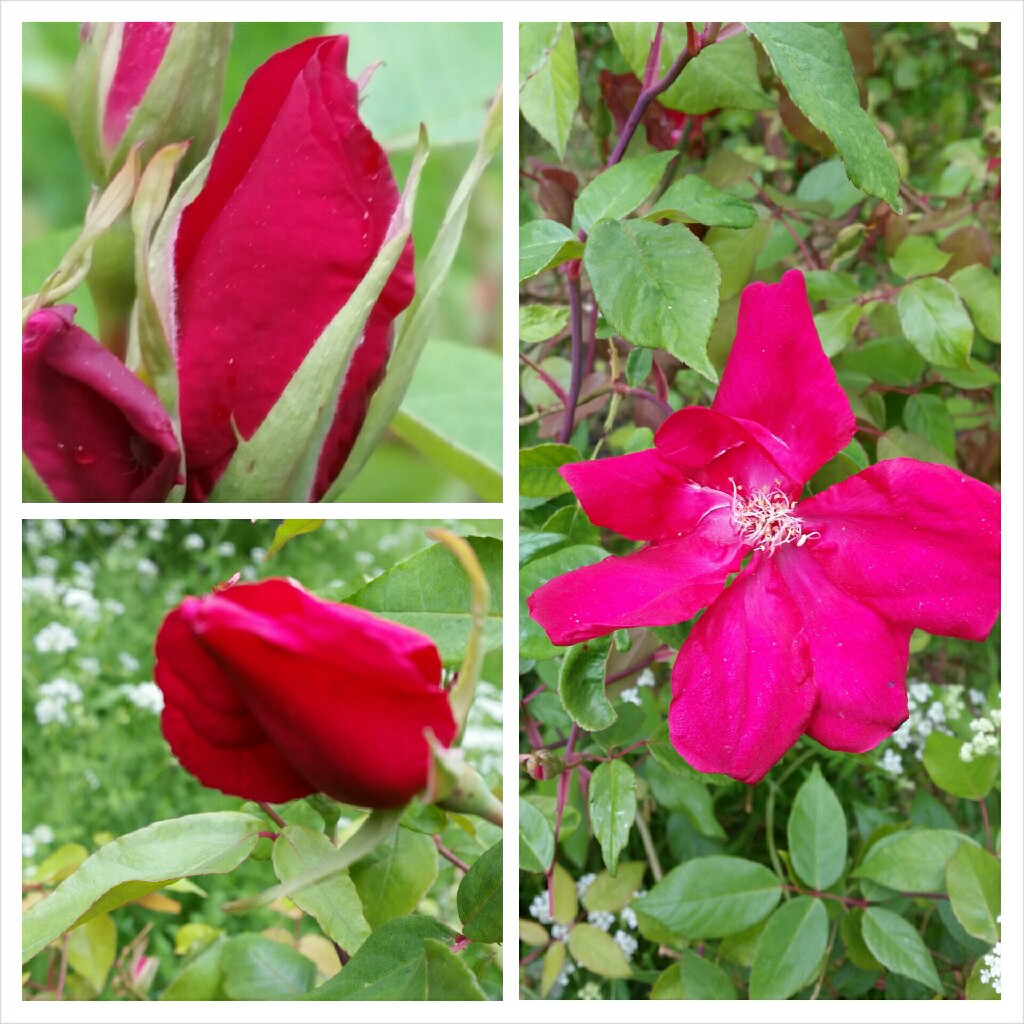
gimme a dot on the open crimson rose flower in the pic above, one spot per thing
(812, 635)
(91, 429)
(292, 214)
(271, 693)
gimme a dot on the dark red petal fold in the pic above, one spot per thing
(778, 375)
(294, 210)
(743, 687)
(91, 429)
(273, 693)
(916, 542)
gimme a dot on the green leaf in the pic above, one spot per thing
(736, 251)
(887, 360)
(638, 366)
(597, 951)
(790, 952)
(259, 968)
(549, 86)
(816, 831)
(61, 863)
(405, 959)
(538, 323)
(693, 977)
(928, 416)
(896, 443)
(554, 963)
(479, 897)
(978, 376)
(201, 976)
(92, 947)
(449, 413)
(536, 839)
(32, 486)
(710, 897)
(612, 809)
(618, 191)
(677, 791)
(581, 685)
(827, 182)
(544, 244)
(431, 592)
(895, 944)
(279, 461)
(976, 988)
(973, 881)
(836, 326)
(615, 892)
(692, 199)
(850, 928)
(334, 903)
(913, 861)
(394, 877)
(980, 291)
(970, 780)
(538, 469)
(291, 528)
(935, 322)
(533, 641)
(917, 256)
(139, 863)
(658, 286)
(418, 320)
(814, 64)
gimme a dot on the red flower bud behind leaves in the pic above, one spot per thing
(142, 49)
(91, 429)
(272, 693)
(293, 212)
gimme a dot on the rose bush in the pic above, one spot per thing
(272, 693)
(91, 429)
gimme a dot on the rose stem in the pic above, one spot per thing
(448, 855)
(272, 814)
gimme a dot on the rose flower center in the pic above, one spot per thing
(764, 518)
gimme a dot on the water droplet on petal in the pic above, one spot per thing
(84, 456)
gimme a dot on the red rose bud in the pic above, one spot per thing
(90, 428)
(148, 83)
(292, 214)
(271, 693)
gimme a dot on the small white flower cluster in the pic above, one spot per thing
(82, 603)
(931, 709)
(147, 696)
(156, 529)
(193, 542)
(54, 698)
(630, 696)
(41, 835)
(589, 990)
(991, 972)
(147, 567)
(985, 739)
(626, 942)
(128, 662)
(540, 908)
(55, 638)
(583, 883)
(646, 678)
(603, 919)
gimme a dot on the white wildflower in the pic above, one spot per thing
(626, 942)
(646, 678)
(559, 931)
(992, 968)
(540, 908)
(226, 549)
(83, 603)
(630, 696)
(52, 530)
(602, 919)
(147, 567)
(891, 762)
(590, 990)
(628, 918)
(129, 662)
(147, 696)
(193, 542)
(56, 638)
(583, 883)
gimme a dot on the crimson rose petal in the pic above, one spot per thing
(272, 693)
(292, 214)
(743, 686)
(917, 542)
(778, 376)
(91, 429)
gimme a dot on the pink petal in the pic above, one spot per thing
(917, 542)
(715, 449)
(778, 375)
(859, 658)
(641, 496)
(143, 44)
(659, 585)
(742, 687)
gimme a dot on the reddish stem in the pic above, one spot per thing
(984, 818)
(576, 381)
(449, 856)
(272, 814)
(552, 384)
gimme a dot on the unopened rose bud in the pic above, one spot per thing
(91, 429)
(146, 83)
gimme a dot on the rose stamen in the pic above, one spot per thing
(764, 518)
